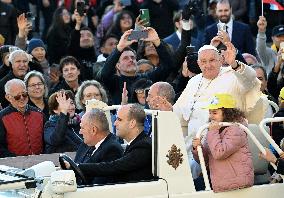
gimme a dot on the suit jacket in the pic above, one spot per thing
(241, 37)
(134, 165)
(109, 150)
(174, 41)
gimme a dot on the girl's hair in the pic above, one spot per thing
(115, 28)
(58, 24)
(233, 115)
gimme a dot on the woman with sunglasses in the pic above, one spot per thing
(37, 91)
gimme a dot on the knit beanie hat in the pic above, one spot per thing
(34, 43)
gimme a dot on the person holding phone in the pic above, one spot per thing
(58, 35)
(123, 22)
(239, 33)
(82, 47)
(123, 58)
(161, 14)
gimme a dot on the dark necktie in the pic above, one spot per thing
(89, 154)
(126, 148)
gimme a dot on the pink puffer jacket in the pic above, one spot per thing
(230, 160)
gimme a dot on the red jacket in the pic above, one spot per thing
(21, 134)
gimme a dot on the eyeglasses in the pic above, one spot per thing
(91, 95)
(142, 91)
(18, 97)
(36, 85)
(139, 91)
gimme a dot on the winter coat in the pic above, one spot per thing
(230, 160)
(62, 135)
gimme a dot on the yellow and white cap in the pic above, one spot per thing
(281, 95)
(222, 100)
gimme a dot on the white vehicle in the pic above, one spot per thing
(170, 167)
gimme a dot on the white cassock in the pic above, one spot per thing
(243, 85)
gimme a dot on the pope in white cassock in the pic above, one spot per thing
(237, 79)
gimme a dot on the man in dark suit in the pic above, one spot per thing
(136, 162)
(239, 33)
(99, 144)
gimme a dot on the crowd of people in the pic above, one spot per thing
(47, 77)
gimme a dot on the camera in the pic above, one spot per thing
(80, 8)
(194, 8)
(191, 60)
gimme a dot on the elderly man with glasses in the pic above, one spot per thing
(21, 125)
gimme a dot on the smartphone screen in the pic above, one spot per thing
(125, 2)
(137, 34)
(145, 16)
(189, 50)
(221, 26)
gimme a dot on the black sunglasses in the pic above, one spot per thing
(18, 97)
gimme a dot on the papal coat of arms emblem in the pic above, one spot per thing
(174, 157)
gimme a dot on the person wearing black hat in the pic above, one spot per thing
(268, 56)
(82, 47)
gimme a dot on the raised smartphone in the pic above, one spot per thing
(137, 35)
(145, 16)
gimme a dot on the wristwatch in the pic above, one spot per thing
(239, 64)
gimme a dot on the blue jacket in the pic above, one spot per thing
(174, 41)
(241, 37)
(60, 136)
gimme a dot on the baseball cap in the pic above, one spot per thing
(222, 100)
(281, 95)
(278, 30)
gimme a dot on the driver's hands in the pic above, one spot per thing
(67, 165)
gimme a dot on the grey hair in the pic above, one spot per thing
(40, 76)
(99, 117)
(166, 90)
(79, 95)
(12, 82)
(16, 53)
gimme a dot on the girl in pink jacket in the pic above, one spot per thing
(226, 148)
